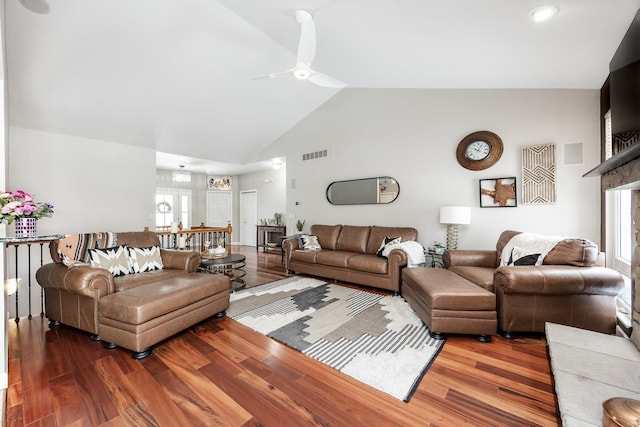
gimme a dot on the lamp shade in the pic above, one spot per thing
(455, 215)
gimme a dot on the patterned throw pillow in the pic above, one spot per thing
(73, 249)
(115, 259)
(145, 259)
(310, 242)
(388, 241)
(521, 257)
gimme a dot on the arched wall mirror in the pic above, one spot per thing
(380, 190)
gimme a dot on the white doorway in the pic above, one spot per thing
(248, 217)
(172, 205)
(219, 208)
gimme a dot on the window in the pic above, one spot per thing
(623, 240)
(173, 205)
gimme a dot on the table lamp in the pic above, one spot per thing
(454, 216)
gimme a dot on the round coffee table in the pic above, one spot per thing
(232, 265)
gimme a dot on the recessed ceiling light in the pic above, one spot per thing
(543, 13)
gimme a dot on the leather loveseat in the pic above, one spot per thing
(571, 287)
(348, 253)
(134, 311)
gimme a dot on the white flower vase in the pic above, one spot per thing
(25, 227)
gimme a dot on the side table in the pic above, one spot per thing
(433, 259)
(232, 265)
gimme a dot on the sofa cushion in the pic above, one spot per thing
(569, 251)
(327, 235)
(128, 281)
(377, 234)
(142, 303)
(304, 256)
(334, 258)
(578, 252)
(368, 263)
(137, 239)
(353, 238)
(145, 259)
(115, 259)
(481, 276)
(504, 238)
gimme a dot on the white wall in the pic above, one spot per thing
(93, 185)
(412, 136)
(270, 188)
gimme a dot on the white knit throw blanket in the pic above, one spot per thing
(414, 251)
(528, 244)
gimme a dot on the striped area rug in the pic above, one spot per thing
(376, 339)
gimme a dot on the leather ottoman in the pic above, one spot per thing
(448, 303)
(140, 317)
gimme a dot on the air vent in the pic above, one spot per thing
(315, 155)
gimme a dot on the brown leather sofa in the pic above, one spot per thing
(134, 311)
(572, 287)
(349, 254)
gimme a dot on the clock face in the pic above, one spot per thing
(478, 150)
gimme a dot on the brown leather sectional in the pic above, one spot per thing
(349, 254)
(134, 311)
(572, 287)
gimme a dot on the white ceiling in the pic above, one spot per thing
(176, 75)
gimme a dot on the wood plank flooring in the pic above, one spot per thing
(223, 373)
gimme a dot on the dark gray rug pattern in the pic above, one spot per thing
(376, 339)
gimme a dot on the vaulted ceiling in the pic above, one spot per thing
(177, 75)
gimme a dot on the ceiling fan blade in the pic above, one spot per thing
(272, 75)
(325, 80)
(307, 43)
(40, 7)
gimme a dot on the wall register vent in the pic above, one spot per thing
(315, 155)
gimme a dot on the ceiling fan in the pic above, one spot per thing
(40, 7)
(306, 54)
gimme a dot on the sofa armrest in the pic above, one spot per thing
(85, 280)
(397, 260)
(288, 246)
(180, 260)
(473, 258)
(558, 280)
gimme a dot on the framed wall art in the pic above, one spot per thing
(219, 183)
(539, 175)
(498, 193)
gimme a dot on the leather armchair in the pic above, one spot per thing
(572, 287)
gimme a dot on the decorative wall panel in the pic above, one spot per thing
(539, 175)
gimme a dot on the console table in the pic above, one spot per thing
(269, 237)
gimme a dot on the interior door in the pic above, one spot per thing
(219, 208)
(248, 217)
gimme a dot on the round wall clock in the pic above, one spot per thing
(479, 150)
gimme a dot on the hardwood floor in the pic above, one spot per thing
(222, 373)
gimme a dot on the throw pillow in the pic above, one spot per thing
(115, 259)
(310, 242)
(387, 241)
(145, 259)
(520, 257)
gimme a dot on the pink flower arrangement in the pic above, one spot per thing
(21, 205)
